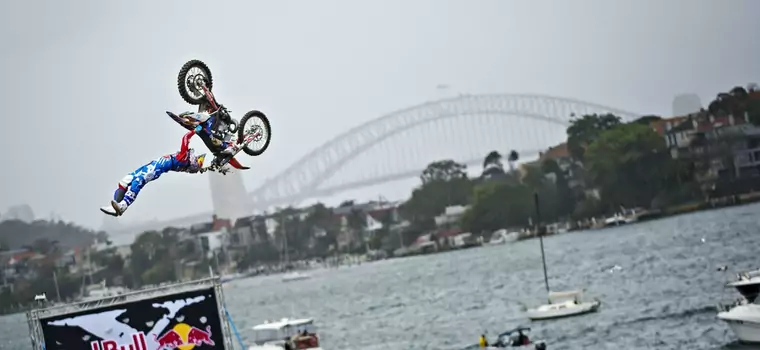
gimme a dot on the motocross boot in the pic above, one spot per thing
(119, 207)
(108, 210)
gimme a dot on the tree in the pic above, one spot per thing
(564, 199)
(585, 130)
(444, 183)
(753, 110)
(151, 261)
(492, 166)
(383, 238)
(739, 93)
(647, 119)
(588, 207)
(260, 229)
(534, 176)
(16, 233)
(724, 103)
(4, 246)
(346, 203)
(629, 164)
(497, 205)
(443, 170)
(44, 246)
(262, 252)
(493, 158)
(292, 235)
(323, 228)
(513, 158)
(357, 224)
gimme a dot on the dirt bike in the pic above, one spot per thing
(213, 123)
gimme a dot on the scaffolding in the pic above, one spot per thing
(35, 316)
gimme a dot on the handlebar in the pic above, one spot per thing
(224, 115)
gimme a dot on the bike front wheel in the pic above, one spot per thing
(192, 77)
(255, 132)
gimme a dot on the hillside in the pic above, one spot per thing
(15, 234)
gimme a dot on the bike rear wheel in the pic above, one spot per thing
(193, 75)
(257, 124)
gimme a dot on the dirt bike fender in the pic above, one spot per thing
(180, 121)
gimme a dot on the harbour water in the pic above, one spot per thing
(662, 298)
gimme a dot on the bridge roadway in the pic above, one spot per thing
(318, 193)
(332, 190)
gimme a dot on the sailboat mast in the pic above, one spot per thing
(57, 291)
(285, 240)
(541, 240)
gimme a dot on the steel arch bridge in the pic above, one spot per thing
(305, 178)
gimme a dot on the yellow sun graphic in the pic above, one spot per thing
(182, 329)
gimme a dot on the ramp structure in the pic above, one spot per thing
(166, 317)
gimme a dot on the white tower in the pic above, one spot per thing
(229, 195)
(686, 104)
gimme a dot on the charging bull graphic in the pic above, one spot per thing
(184, 337)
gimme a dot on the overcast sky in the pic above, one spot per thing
(84, 84)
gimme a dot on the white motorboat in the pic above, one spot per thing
(502, 236)
(625, 216)
(100, 291)
(615, 220)
(517, 338)
(300, 334)
(743, 316)
(295, 276)
(563, 304)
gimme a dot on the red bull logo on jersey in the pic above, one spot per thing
(184, 337)
(138, 343)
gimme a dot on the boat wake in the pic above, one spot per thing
(607, 329)
(666, 316)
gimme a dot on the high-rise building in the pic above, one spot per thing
(229, 195)
(21, 212)
(686, 104)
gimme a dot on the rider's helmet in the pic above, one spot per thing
(196, 162)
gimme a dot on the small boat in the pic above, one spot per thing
(563, 304)
(625, 216)
(515, 338)
(615, 220)
(743, 316)
(295, 276)
(300, 334)
(502, 236)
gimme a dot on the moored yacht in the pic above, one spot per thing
(743, 316)
(564, 304)
(502, 236)
(561, 304)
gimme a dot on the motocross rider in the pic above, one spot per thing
(206, 132)
(129, 187)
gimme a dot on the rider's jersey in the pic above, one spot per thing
(179, 161)
(206, 128)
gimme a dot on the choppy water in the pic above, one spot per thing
(663, 297)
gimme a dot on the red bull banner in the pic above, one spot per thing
(184, 321)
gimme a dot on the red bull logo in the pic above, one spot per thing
(184, 337)
(138, 343)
